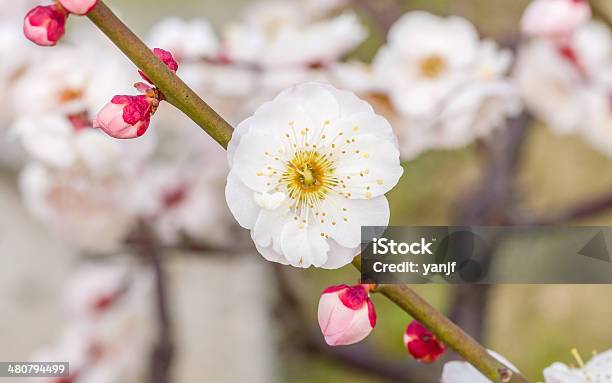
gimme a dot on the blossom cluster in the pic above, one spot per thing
(107, 334)
(87, 187)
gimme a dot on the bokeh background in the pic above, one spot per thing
(228, 322)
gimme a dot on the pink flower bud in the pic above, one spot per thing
(554, 18)
(346, 314)
(167, 58)
(45, 25)
(422, 344)
(79, 7)
(125, 116)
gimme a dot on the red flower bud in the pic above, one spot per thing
(126, 116)
(422, 344)
(346, 314)
(45, 25)
(167, 58)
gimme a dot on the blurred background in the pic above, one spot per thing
(231, 315)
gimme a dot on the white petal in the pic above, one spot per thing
(372, 163)
(344, 218)
(268, 226)
(270, 201)
(253, 166)
(339, 256)
(240, 201)
(303, 245)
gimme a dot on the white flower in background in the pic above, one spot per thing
(551, 86)
(592, 44)
(87, 210)
(280, 34)
(482, 104)
(16, 54)
(568, 85)
(555, 18)
(185, 199)
(307, 170)
(109, 334)
(446, 87)
(93, 289)
(425, 59)
(70, 80)
(597, 370)
(186, 39)
(355, 76)
(463, 372)
(54, 140)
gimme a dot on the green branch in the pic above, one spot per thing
(174, 89)
(446, 331)
(185, 99)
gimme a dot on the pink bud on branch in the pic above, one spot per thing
(79, 7)
(45, 25)
(130, 116)
(166, 58)
(126, 116)
(346, 314)
(422, 344)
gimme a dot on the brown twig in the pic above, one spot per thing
(581, 210)
(163, 353)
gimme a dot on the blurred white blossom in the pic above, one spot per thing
(71, 79)
(280, 34)
(445, 88)
(554, 18)
(568, 85)
(187, 39)
(108, 334)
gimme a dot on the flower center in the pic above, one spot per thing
(432, 66)
(69, 94)
(309, 176)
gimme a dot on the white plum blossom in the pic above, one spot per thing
(463, 372)
(568, 85)
(307, 170)
(356, 76)
(79, 181)
(597, 370)
(551, 86)
(426, 58)
(184, 199)
(555, 18)
(187, 39)
(71, 79)
(108, 335)
(280, 34)
(56, 141)
(446, 88)
(89, 211)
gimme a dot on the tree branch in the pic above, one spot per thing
(581, 210)
(174, 89)
(163, 353)
(447, 332)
